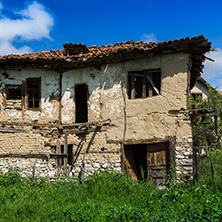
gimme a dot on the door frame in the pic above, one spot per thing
(171, 151)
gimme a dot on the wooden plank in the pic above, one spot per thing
(158, 174)
(152, 84)
(6, 130)
(148, 165)
(58, 151)
(133, 87)
(23, 95)
(65, 152)
(144, 86)
(142, 141)
(150, 90)
(130, 164)
(212, 172)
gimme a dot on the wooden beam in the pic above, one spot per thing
(133, 87)
(31, 155)
(153, 85)
(150, 90)
(58, 151)
(144, 86)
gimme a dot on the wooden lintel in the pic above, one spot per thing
(196, 114)
(31, 155)
(147, 141)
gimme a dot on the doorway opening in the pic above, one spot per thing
(147, 161)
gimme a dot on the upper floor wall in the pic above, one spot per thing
(99, 93)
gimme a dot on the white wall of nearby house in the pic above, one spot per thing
(201, 89)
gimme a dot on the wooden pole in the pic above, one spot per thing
(33, 172)
(65, 152)
(144, 85)
(133, 87)
(212, 172)
(58, 151)
(197, 167)
(216, 124)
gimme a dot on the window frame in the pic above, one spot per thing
(34, 90)
(7, 91)
(148, 88)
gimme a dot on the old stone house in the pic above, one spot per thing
(81, 109)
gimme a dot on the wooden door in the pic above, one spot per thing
(130, 164)
(157, 162)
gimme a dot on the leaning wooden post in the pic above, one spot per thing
(216, 124)
(33, 171)
(58, 152)
(65, 152)
(212, 172)
(197, 167)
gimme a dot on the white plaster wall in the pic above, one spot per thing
(146, 118)
(89, 76)
(201, 89)
(49, 87)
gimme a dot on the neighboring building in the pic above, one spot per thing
(200, 88)
(82, 109)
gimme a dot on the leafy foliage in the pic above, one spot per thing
(204, 133)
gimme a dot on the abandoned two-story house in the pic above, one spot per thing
(82, 109)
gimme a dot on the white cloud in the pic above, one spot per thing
(35, 23)
(213, 70)
(148, 38)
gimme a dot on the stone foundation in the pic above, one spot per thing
(48, 168)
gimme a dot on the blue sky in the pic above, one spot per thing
(30, 26)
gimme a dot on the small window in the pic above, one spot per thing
(13, 92)
(33, 92)
(197, 96)
(142, 84)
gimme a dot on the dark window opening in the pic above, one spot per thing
(33, 92)
(147, 161)
(14, 92)
(70, 154)
(197, 96)
(81, 100)
(142, 84)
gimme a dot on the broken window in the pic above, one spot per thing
(13, 92)
(142, 84)
(81, 100)
(33, 86)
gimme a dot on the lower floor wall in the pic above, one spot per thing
(91, 151)
(47, 168)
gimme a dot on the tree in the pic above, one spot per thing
(207, 133)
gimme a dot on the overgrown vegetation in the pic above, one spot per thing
(205, 134)
(109, 196)
(105, 197)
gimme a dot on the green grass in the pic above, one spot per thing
(105, 197)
